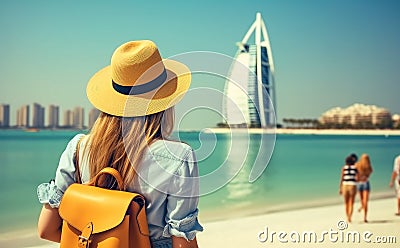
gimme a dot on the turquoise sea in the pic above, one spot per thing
(304, 171)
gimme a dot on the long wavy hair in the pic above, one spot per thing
(120, 143)
(364, 167)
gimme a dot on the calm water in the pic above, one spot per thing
(304, 170)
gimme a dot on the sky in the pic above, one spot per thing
(327, 53)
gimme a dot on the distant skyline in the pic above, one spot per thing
(37, 116)
(326, 53)
(61, 116)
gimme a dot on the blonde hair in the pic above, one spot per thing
(120, 142)
(364, 167)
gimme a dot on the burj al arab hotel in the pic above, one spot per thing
(250, 87)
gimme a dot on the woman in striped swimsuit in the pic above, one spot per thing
(348, 185)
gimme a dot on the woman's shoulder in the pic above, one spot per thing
(77, 137)
(71, 146)
(171, 149)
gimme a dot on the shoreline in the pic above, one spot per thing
(372, 132)
(380, 132)
(300, 131)
(217, 216)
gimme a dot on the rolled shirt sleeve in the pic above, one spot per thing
(52, 192)
(182, 201)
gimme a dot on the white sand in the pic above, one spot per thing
(243, 232)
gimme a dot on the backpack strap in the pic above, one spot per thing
(111, 171)
(107, 170)
(78, 178)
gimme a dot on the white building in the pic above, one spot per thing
(396, 121)
(357, 114)
(250, 87)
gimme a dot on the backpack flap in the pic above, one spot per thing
(104, 208)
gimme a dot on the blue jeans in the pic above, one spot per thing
(364, 186)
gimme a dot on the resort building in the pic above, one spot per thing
(360, 115)
(250, 99)
(396, 121)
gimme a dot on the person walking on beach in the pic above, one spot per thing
(347, 187)
(395, 180)
(364, 170)
(355, 157)
(135, 95)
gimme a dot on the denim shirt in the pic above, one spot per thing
(167, 178)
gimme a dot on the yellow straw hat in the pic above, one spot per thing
(138, 82)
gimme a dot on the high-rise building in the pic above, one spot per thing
(68, 118)
(250, 99)
(53, 116)
(23, 116)
(4, 115)
(74, 118)
(93, 115)
(78, 117)
(38, 116)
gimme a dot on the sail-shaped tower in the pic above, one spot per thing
(250, 87)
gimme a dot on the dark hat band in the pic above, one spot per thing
(142, 88)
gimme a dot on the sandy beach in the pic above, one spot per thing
(308, 131)
(311, 227)
(299, 226)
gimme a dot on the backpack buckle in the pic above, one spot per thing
(84, 238)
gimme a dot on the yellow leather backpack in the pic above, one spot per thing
(103, 218)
